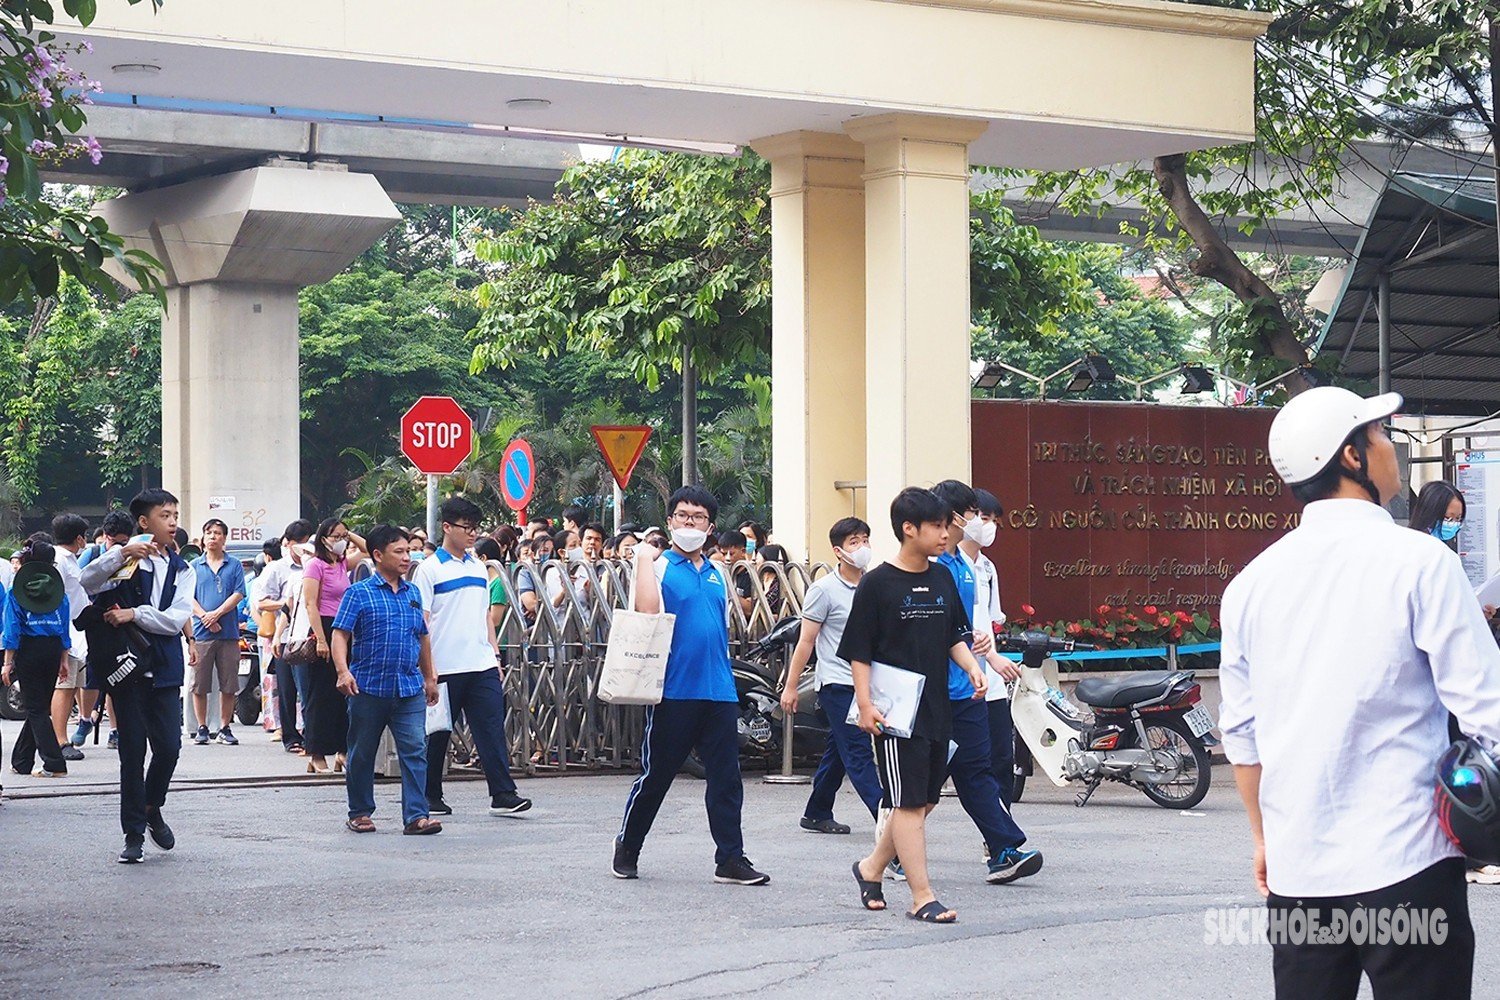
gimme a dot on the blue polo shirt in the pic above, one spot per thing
(212, 589)
(959, 686)
(698, 665)
(385, 636)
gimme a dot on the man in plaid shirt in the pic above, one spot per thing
(384, 662)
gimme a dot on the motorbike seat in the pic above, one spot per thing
(1122, 692)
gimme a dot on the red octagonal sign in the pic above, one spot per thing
(437, 435)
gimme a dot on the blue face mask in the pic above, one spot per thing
(749, 546)
(1447, 530)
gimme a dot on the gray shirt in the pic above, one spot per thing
(828, 602)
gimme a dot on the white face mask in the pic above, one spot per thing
(987, 534)
(689, 539)
(304, 549)
(339, 547)
(858, 558)
(575, 555)
(974, 530)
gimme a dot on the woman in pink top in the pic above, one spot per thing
(325, 577)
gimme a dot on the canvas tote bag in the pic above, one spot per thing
(635, 661)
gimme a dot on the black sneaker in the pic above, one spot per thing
(625, 862)
(161, 834)
(132, 854)
(740, 872)
(70, 752)
(823, 826)
(113, 742)
(437, 807)
(202, 738)
(508, 804)
(227, 738)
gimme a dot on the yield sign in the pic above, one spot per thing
(517, 474)
(622, 448)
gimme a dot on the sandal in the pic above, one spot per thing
(869, 892)
(360, 824)
(422, 827)
(932, 913)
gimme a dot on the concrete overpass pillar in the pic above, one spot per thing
(236, 249)
(916, 304)
(818, 334)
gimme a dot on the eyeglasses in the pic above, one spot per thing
(472, 529)
(683, 517)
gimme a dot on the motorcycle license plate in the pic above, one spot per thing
(1198, 720)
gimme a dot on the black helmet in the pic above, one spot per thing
(1468, 800)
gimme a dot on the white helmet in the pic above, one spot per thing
(1307, 433)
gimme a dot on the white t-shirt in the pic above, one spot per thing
(456, 596)
(987, 613)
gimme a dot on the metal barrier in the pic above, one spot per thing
(552, 657)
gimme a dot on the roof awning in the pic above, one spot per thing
(1432, 240)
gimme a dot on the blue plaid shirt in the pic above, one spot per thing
(385, 628)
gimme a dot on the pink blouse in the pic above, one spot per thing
(333, 580)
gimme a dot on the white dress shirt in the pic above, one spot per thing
(78, 599)
(1346, 644)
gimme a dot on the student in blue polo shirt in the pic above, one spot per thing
(971, 766)
(699, 707)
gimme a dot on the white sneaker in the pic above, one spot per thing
(1484, 875)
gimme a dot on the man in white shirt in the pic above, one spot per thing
(455, 591)
(1346, 644)
(987, 614)
(68, 534)
(274, 590)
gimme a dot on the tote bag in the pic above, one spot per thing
(635, 661)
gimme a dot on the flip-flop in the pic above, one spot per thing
(932, 914)
(363, 824)
(422, 827)
(869, 892)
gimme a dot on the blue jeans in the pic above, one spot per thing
(848, 752)
(369, 715)
(480, 699)
(973, 773)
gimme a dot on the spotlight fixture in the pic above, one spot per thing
(1197, 379)
(1093, 368)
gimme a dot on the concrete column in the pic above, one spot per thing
(236, 249)
(817, 334)
(916, 303)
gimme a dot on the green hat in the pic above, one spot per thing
(190, 552)
(38, 587)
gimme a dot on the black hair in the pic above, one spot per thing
(695, 495)
(773, 553)
(180, 536)
(320, 547)
(958, 496)
(506, 540)
(988, 502)
(662, 536)
(146, 501)
(271, 548)
(917, 506)
(488, 549)
(429, 546)
(1432, 505)
(844, 527)
(614, 542)
(384, 535)
(38, 549)
(118, 522)
(757, 531)
(68, 528)
(1326, 483)
(731, 540)
(575, 513)
(214, 522)
(455, 509)
(592, 526)
(299, 530)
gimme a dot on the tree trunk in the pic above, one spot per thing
(1217, 261)
(689, 417)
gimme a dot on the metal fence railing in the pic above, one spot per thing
(552, 656)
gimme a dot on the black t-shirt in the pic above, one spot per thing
(910, 620)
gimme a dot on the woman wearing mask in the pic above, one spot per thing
(770, 581)
(325, 577)
(755, 539)
(1439, 511)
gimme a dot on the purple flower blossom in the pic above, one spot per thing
(41, 147)
(91, 146)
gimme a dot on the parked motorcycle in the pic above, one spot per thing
(757, 681)
(1146, 730)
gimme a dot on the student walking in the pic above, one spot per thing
(36, 641)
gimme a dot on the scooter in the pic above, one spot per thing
(1146, 730)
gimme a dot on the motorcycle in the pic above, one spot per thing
(1146, 730)
(757, 682)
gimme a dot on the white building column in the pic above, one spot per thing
(817, 335)
(236, 249)
(916, 303)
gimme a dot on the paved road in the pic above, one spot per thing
(267, 895)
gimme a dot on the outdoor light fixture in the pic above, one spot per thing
(135, 69)
(529, 104)
(1092, 368)
(1196, 378)
(994, 373)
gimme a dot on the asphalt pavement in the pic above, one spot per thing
(268, 895)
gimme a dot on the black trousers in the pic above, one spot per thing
(480, 698)
(37, 660)
(326, 711)
(286, 702)
(146, 715)
(1429, 971)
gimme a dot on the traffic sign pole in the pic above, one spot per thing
(619, 502)
(432, 510)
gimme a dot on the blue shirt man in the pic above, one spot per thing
(211, 588)
(698, 665)
(959, 687)
(385, 629)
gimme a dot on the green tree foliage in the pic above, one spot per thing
(42, 102)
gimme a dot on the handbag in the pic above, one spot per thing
(635, 659)
(300, 646)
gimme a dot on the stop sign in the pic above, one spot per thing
(436, 435)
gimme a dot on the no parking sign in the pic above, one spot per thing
(517, 476)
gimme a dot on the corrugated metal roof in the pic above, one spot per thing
(1436, 239)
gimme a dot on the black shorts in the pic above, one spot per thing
(912, 770)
